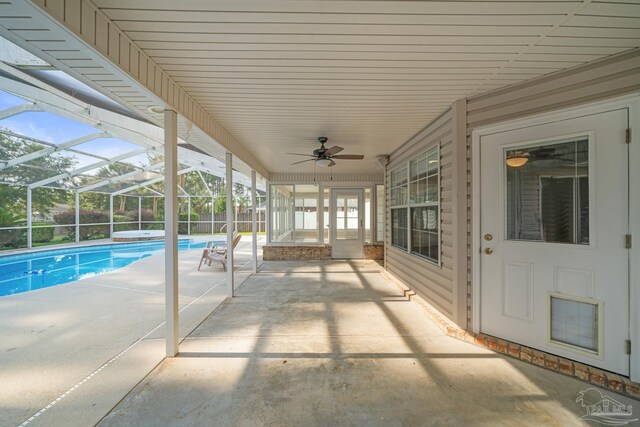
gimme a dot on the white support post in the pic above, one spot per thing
(111, 215)
(254, 223)
(229, 185)
(189, 215)
(29, 220)
(213, 215)
(171, 230)
(139, 213)
(268, 213)
(77, 217)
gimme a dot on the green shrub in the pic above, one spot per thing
(87, 232)
(41, 234)
(182, 227)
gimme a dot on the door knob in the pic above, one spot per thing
(488, 251)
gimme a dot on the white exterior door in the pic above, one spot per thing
(553, 221)
(347, 228)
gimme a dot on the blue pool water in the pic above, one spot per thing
(36, 270)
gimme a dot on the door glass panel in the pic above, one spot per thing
(347, 218)
(547, 190)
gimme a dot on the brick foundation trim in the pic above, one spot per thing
(586, 373)
(312, 252)
(372, 251)
(295, 252)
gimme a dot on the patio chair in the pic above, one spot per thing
(218, 252)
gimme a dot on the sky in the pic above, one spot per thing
(54, 129)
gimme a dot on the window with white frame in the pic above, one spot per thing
(399, 204)
(415, 206)
(294, 213)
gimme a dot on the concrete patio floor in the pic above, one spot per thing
(332, 343)
(102, 334)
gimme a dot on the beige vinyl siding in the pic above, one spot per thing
(432, 282)
(607, 78)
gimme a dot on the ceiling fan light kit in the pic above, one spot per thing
(517, 159)
(325, 163)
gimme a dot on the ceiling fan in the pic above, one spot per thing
(324, 156)
(517, 158)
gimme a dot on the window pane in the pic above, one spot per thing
(399, 227)
(399, 187)
(347, 215)
(548, 192)
(326, 201)
(367, 215)
(306, 218)
(282, 204)
(424, 232)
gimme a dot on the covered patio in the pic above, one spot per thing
(335, 343)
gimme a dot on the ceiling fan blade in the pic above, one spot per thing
(333, 150)
(308, 160)
(298, 154)
(332, 163)
(348, 156)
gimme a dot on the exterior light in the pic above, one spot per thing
(323, 162)
(155, 109)
(517, 159)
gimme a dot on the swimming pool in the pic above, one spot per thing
(36, 270)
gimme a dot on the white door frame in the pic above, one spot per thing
(629, 101)
(333, 211)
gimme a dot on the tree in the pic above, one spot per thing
(100, 201)
(15, 178)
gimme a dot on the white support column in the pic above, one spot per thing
(139, 213)
(267, 223)
(213, 215)
(111, 215)
(254, 223)
(77, 216)
(29, 220)
(189, 215)
(171, 230)
(229, 189)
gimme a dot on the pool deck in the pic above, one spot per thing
(56, 338)
(333, 343)
(317, 343)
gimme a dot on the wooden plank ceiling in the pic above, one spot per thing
(366, 74)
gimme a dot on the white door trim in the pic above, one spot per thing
(634, 224)
(332, 215)
(629, 101)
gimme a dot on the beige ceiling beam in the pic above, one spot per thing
(112, 51)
